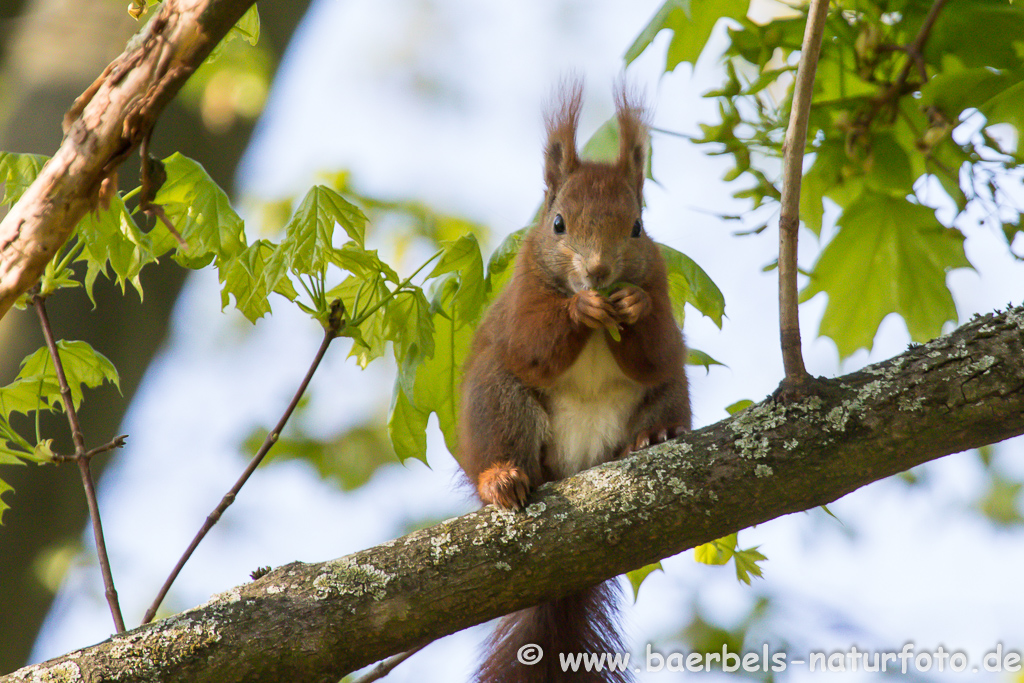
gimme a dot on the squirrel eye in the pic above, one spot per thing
(559, 224)
(637, 228)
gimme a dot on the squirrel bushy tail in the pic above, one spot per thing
(578, 624)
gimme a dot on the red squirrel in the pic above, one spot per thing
(562, 377)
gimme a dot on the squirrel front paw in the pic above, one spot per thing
(629, 304)
(504, 485)
(588, 307)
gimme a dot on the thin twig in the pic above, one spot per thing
(82, 457)
(899, 87)
(789, 216)
(158, 211)
(673, 133)
(116, 442)
(384, 668)
(915, 58)
(331, 331)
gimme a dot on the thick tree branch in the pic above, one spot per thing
(104, 125)
(315, 622)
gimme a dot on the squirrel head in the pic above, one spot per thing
(590, 233)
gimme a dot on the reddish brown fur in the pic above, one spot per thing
(535, 332)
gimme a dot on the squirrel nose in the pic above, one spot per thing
(598, 273)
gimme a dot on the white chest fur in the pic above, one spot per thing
(590, 406)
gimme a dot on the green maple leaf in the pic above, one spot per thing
(890, 256)
(408, 326)
(638, 576)
(721, 550)
(17, 171)
(999, 95)
(248, 27)
(201, 213)
(433, 385)
(501, 265)
(407, 427)
(746, 564)
(358, 295)
(691, 23)
(247, 277)
(309, 234)
(112, 237)
(463, 256)
(82, 365)
(4, 488)
(1001, 502)
(689, 284)
(718, 551)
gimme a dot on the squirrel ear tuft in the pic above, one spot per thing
(632, 161)
(560, 157)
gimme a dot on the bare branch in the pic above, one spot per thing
(316, 622)
(797, 381)
(116, 442)
(789, 217)
(102, 128)
(330, 332)
(82, 458)
(915, 58)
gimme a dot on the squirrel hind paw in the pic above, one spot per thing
(504, 485)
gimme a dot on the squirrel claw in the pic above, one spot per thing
(657, 435)
(588, 307)
(630, 304)
(504, 485)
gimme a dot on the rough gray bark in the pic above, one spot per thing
(103, 127)
(315, 622)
